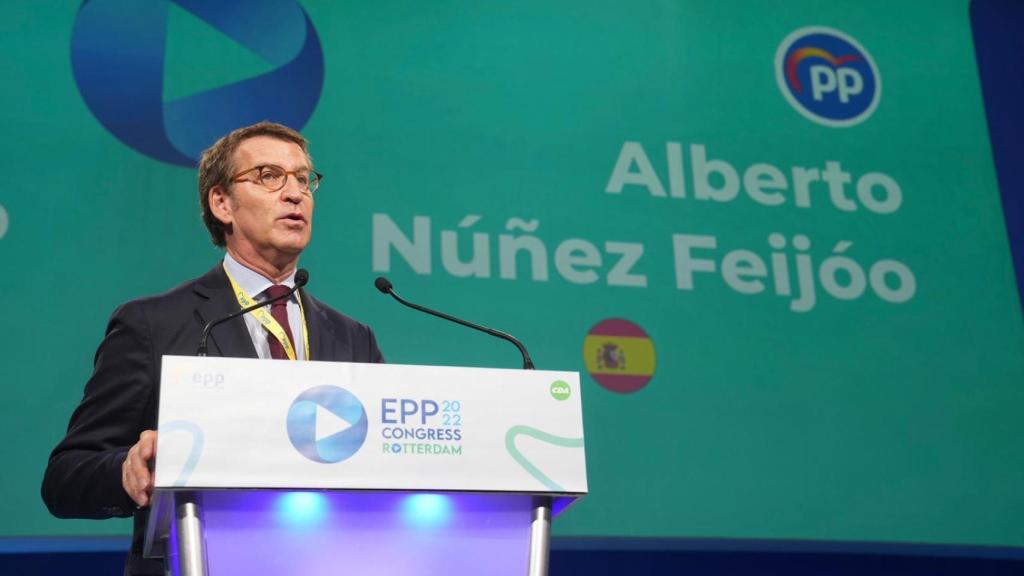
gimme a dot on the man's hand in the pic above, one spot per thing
(136, 476)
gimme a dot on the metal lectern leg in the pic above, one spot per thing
(540, 537)
(191, 545)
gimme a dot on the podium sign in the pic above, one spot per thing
(379, 444)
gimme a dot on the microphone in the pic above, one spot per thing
(385, 286)
(301, 278)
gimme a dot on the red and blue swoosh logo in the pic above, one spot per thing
(795, 57)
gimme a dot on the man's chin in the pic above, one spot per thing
(292, 248)
(292, 243)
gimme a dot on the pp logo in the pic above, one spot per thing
(169, 78)
(827, 76)
(327, 424)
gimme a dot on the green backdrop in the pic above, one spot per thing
(859, 419)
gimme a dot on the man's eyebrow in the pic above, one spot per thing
(305, 167)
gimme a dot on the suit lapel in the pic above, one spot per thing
(230, 339)
(324, 342)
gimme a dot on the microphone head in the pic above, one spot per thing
(301, 277)
(383, 284)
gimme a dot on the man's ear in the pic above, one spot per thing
(220, 205)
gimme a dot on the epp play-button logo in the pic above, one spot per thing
(169, 77)
(327, 424)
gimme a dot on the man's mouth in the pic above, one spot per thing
(294, 218)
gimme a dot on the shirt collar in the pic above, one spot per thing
(252, 282)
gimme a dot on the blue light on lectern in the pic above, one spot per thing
(302, 508)
(426, 510)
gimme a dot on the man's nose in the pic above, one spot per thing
(292, 191)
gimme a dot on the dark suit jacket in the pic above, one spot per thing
(83, 477)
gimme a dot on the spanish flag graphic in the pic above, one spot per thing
(619, 355)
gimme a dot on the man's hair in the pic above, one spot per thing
(216, 168)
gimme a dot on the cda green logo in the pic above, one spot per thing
(560, 390)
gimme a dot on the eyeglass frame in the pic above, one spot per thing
(294, 173)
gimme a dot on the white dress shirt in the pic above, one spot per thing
(254, 284)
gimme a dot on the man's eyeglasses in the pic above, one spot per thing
(274, 177)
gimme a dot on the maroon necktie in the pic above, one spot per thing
(279, 310)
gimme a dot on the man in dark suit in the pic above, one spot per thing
(256, 189)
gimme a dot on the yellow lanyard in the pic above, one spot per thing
(269, 322)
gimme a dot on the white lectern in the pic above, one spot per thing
(317, 468)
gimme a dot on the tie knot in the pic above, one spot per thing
(276, 291)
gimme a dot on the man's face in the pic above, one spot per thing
(274, 225)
